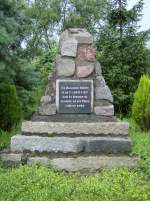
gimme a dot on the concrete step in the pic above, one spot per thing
(11, 158)
(75, 128)
(85, 164)
(21, 143)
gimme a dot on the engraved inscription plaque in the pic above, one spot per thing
(74, 96)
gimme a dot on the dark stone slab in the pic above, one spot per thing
(74, 96)
(73, 118)
(22, 144)
(109, 145)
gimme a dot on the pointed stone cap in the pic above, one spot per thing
(81, 35)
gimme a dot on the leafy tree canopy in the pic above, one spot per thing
(15, 68)
(123, 52)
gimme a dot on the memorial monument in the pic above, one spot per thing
(75, 128)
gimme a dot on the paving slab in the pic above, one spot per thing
(22, 143)
(105, 128)
(83, 164)
(11, 158)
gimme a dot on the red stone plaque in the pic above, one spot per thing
(86, 54)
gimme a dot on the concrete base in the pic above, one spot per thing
(75, 128)
(83, 164)
(11, 158)
(72, 146)
(90, 163)
(68, 145)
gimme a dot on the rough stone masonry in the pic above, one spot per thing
(75, 128)
(76, 61)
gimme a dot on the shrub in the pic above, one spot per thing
(10, 108)
(141, 104)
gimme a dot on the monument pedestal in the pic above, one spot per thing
(74, 128)
(72, 146)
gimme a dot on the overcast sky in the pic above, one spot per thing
(145, 22)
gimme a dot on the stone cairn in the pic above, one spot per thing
(80, 136)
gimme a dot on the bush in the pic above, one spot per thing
(141, 104)
(10, 108)
(27, 81)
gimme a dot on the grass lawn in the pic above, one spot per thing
(41, 184)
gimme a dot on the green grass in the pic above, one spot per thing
(6, 136)
(40, 184)
(36, 183)
(141, 146)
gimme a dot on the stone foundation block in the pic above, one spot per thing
(98, 69)
(107, 145)
(104, 110)
(65, 67)
(45, 100)
(93, 163)
(64, 36)
(20, 143)
(39, 160)
(69, 47)
(99, 81)
(10, 158)
(49, 109)
(81, 35)
(85, 70)
(105, 128)
(86, 164)
(103, 93)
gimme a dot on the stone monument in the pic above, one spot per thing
(75, 128)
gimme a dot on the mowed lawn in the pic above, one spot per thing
(35, 183)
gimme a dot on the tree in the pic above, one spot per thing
(50, 17)
(123, 52)
(14, 67)
(86, 14)
(10, 23)
(45, 16)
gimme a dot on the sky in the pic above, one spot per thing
(145, 21)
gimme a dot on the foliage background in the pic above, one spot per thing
(29, 38)
(29, 32)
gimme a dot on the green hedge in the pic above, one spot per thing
(10, 107)
(141, 104)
